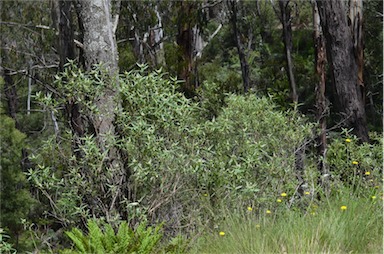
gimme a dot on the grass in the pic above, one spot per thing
(325, 228)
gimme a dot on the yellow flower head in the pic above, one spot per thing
(278, 200)
(268, 212)
(283, 194)
(355, 162)
(307, 193)
(373, 197)
(249, 208)
(343, 207)
(348, 140)
(313, 213)
(205, 195)
(367, 173)
(221, 233)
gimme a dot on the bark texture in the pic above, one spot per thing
(100, 47)
(186, 22)
(343, 65)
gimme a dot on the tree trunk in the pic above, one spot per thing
(157, 39)
(321, 103)
(186, 22)
(343, 66)
(285, 18)
(232, 4)
(66, 35)
(100, 47)
(10, 93)
(356, 25)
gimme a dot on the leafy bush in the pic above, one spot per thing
(182, 167)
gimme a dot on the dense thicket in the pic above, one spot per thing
(168, 112)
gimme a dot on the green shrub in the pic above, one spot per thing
(182, 167)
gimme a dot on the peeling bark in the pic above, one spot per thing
(343, 66)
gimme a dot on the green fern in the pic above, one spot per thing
(103, 239)
(78, 238)
(96, 237)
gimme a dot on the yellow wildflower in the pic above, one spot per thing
(278, 200)
(221, 233)
(367, 173)
(355, 162)
(373, 197)
(343, 207)
(205, 195)
(313, 213)
(348, 140)
(249, 208)
(283, 194)
(268, 212)
(307, 193)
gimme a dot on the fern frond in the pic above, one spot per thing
(78, 238)
(109, 239)
(95, 236)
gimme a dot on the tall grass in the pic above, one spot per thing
(323, 228)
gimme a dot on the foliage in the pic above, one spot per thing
(324, 227)
(101, 238)
(354, 164)
(15, 195)
(5, 247)
(174, 156)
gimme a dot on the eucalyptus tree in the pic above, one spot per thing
(343, 65)
(100, 48)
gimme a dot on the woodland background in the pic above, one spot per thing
(159, 119)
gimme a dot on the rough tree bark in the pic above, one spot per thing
(285, 18)
(321, 103)
(232, 5)
(343, 65)
(100, 47)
